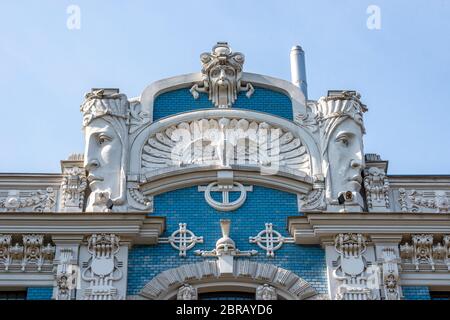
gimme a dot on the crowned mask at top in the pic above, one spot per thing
(105, 114)
(221, 76)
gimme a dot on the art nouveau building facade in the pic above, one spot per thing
(224, 185)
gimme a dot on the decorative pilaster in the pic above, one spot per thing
(67, 276)
(73, 184)
(390, 274)
(376, 185)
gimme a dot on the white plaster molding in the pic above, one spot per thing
(139, 228)
(21, 279)
(170, 180)
(247, 276)
(316, 227)
(37, 201)
(225, 184)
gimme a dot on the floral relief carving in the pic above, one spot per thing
(36, 201)
(30, 255)
(423, 201)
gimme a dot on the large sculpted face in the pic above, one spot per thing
(345, 156)
(102, 160)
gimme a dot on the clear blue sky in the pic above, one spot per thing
(402, 70)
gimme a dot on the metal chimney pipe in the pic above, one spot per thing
(298, 69)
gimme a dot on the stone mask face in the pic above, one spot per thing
(103, 155)
(222, 75)
(345, 156)
(223, 82)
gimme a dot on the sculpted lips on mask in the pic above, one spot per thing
(92, 179)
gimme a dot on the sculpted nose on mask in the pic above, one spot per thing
(356, 164)
(222, 76)
(91, 165)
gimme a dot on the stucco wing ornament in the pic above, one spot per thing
(222, 73)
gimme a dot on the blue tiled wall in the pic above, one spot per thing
(263, 100)
(262, 205)
(416, 293)
(39, 293)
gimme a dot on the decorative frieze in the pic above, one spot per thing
(423, 254)
(423, 200)
(103, 269)
(270, 240)
(376, 185)
(221, 76)
(30, 255)
(182, 239)
(35, 201)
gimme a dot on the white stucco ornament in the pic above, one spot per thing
(225, 250)
(340, 117)
(182, 239)
(222, 73)
(105, 115)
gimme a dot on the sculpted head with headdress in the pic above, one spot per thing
(105, 117)
(340, 117)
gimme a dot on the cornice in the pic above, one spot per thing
(137, 227)
(317, 228)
